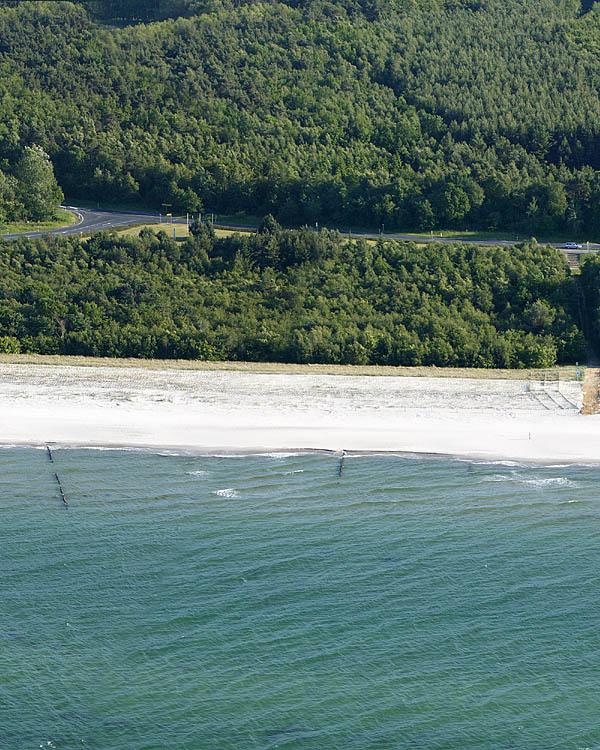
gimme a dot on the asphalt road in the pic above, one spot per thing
(95, 220)
(91, 220)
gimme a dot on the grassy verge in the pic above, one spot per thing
(564, 372)
(181, 231)
(62, 218)
(134, 230)
(473, 234)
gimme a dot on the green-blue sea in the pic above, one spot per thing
(266, 601)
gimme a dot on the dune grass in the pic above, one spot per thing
(563, 372)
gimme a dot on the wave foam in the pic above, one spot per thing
(227, 492)
(549, 482)
(533, 482)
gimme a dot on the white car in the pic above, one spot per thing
(572, 246)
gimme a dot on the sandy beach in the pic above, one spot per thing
(224, 410)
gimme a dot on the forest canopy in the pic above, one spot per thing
(288, 296)
(408, 113)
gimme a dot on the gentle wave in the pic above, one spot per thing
(510, 464)
(495, 478)
(549, 481)
(534, 481)
(203, 453)
(258, 454)
(451, 598)
(283, 454)
(8, 446)
(101, 448)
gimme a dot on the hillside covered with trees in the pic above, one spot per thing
(408, 113)
(290, 296)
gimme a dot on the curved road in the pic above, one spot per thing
(95, 220)
(92, 220)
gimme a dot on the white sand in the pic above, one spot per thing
(239, 411)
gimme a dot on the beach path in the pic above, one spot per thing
(591, 391)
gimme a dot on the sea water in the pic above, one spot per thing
(238, 603)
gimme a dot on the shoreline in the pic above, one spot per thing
(237, 412)
(168, 451)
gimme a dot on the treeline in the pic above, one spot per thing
(136, 11)
(412, 113)
(288, 296)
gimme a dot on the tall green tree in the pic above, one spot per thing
(36, 186)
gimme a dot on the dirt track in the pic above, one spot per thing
(591, 391)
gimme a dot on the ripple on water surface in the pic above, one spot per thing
(266, 601)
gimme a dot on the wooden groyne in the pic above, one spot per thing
(341, 466)
(60, 489)
(50, 458)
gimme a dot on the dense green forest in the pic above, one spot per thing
(408, 113)
(292, 296)
(590, 283)
(412, 114)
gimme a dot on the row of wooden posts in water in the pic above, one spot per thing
(64, 498)
(58, 482)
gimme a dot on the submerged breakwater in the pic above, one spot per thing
(272, 601)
